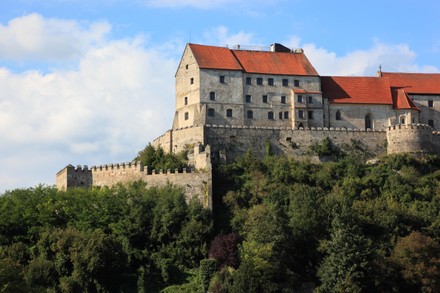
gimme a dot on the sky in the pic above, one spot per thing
(92, 82)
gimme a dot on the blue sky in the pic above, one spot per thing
(92, 82)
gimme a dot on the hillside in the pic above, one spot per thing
(279, 225)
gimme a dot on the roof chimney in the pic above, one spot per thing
(275, 47)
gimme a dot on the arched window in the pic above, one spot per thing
(338, 115)
(249, 114)
(368, 122)
(228, 112)
(211, 112)
(300, 126)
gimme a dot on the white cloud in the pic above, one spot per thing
(37, 38)
(222, 37)
(119, 97)
(392, 57)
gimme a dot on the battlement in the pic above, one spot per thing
(413, 138)
(333, 129)
(416, 126)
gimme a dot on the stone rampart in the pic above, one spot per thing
(229, 142)
(414, 138)
(195, 183)
(180, 139)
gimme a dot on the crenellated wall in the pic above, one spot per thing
(230, 142)
(195, 183)
(414, 138)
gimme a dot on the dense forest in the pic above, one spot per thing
(278, 225)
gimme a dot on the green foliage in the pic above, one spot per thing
(125, 238)
(333, 224)
(347, 265)
(157, 159)
(12, 277)
(325, 148)
(207, 270)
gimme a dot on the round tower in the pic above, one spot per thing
(414, 138)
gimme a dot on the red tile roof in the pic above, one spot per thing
(210, 57)
(262, 62)
(402, 101)
(356, 90)
(275, 63)
(415, 83)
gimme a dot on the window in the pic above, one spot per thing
(212, 96)
(431, 123)
(185, 101)
(310, 115)
(270, 115)
(264, 98)
(280, 115)
(186, 66)
(191, 80)
(402, 120)
(430, 104)
(228, 112)
(248, 80)
(296, 82)
(222, 79)
(186, 116)
(301, 114)
(260, 81)
(248, 98)
(250, 114)
(270, 81)
(338, 115)
(300, 98)
(310, 100)
(283, 99)
(286, 115)
(285, 82)
(211, 112)
(367, 121)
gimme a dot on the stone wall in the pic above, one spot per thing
(195, 183)
(228, 143)
(415, 138)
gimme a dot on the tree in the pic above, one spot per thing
(418, 258)
(224, 248)
(347, 266)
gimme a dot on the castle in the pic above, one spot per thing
(231, 100)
